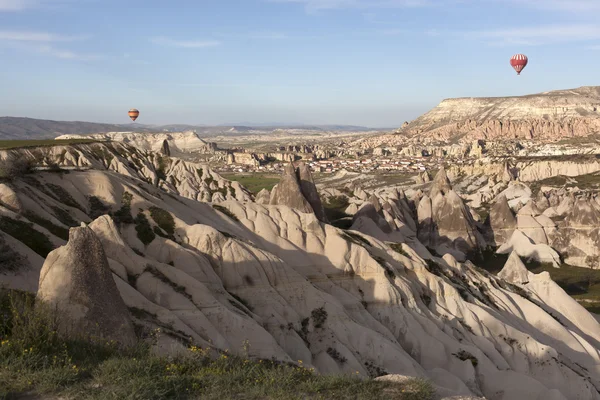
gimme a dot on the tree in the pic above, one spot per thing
(593, 262)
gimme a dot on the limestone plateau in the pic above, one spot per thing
(547, 116)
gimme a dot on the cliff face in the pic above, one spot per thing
(545, 116)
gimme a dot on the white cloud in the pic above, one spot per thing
(15, 5)
(317, 5)
(29, 36)
(190, 44)
(559, 5)
(64, 54)
(22, 5)
(538, 35)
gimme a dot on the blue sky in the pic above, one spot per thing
(364, 62)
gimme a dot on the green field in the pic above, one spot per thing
(254, 182)
(17, 144)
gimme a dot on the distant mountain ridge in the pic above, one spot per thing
(21, 128)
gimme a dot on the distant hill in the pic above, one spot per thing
(550, 116)
(19, 128)
(28, 128)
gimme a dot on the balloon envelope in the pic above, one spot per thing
(133, 114)
(518, 62)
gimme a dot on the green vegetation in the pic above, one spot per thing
(163, 278)
(465, 355)
(319, 317)
(123, 214)
(335, 207)
(163, 219)
(12, 169)
(397, 247)
(96, 207)
(163, 163)
(36, 360)
(254, 182)
(63, 196)
(56, 230)
(355, 238)
(226, 211)
(25, 233)
(10, 260)
(16, 144)
(144, 229)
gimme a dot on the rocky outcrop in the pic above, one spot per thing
(445, 222)
(297, 189)
(263, 197)
(309, 190)
(178, 143)
(165, 150)
(526, 248)
(502, 221)
(289, 193)
(514, 270)
(298, 289)
(578, 236)
(77, 281)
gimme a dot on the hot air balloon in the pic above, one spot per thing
(518, 62)
(133, 114)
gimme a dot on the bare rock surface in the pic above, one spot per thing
(76, 279)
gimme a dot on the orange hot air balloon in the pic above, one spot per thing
(518, 62)
(133, 114)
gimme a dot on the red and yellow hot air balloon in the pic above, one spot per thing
(133, 114)
(518, 62)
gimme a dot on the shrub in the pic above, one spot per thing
(96, 207)
(226, 211)
(15, 168)
(143, 229)
(56, 230)
(319, 316)
(336, 355)
(465, 355)
(10, 260)
(163, 219)
(123, 214)
(397, 247)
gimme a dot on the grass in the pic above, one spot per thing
(254, 182)
(35, 360)
(335, 207)
(17, 144)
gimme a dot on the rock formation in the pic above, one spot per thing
(502, 221)
(340, 300)
(76, 280)
(297, 190)
(550, 115)
(445, 222)
(514, 270)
